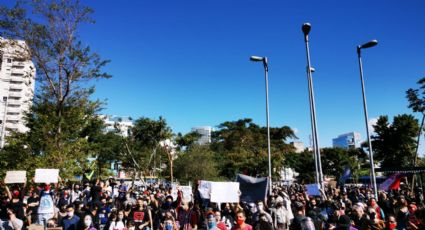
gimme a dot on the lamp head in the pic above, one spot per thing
(306, 28)
(256, 58)
(369, 44)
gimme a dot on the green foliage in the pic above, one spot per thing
(241, 147)
(62, 119)
(395, 144)
(196, 163)
(302, 163)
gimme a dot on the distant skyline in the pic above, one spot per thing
(188, 61)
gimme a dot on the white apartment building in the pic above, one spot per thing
(112, 123)
(17, 76)
(205, 132)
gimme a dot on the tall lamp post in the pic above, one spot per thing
(372, 165)
(306, 27)
(264, 60)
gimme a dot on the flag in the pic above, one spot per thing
(345, 176)
(252, 189)
(393, 182)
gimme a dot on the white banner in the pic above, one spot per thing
(205, 189)
(18, 177)
(225, 192)
(46, 175)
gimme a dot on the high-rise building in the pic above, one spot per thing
(298, 146)
(347, 140)
(17, 76)
(205, 132)
(115, 123)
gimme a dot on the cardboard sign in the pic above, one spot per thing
(205, 189)
(313, 189)
(187, 193)
(18, 177)
(46, 175)
(225, 192)
(36, 227)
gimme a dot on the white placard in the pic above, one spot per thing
(225, 192)
(205, 189)
(312, 189)
(186, 190)
(174, 191)
(18, 177)
(187, 193)
(46, 175)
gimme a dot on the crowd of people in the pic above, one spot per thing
(106, 205)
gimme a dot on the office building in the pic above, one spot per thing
(205, 132)
(17, 76)
(347, 141)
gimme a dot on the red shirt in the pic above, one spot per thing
(221, 226)
(247, 227)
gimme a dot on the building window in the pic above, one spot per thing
(9, 60)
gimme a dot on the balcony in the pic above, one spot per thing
(18, 64)
(14, 102)
(15, 94)
(12, 126)
(13, 109)
(20, 72)
(16, 86)
(17, 79)
(13, 118)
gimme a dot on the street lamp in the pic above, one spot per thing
(372, 165)
(306, 27)
(266, 70)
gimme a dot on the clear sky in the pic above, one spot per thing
(188, 60)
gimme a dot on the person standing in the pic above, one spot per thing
(240, 220)
(70, 222)
(46, 208)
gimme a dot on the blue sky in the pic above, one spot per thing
(188, 61)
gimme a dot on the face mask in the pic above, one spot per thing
(240, 222)
(87, 223)
(211, 224)
(70, 214)
(132, 228)
(372, 203)
(392, 226)
(260, 206)
(169, 227)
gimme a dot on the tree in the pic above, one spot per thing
(394, 144)
(196, 163)
(241, 147)
(62, 108)
(142, 146)
(416, 98)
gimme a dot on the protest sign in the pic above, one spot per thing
(17, 177)
(186, 190)
(252, 189)
(225, 192)
(204, 189)
(187, 193)
(46, 175)
(312, 189)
